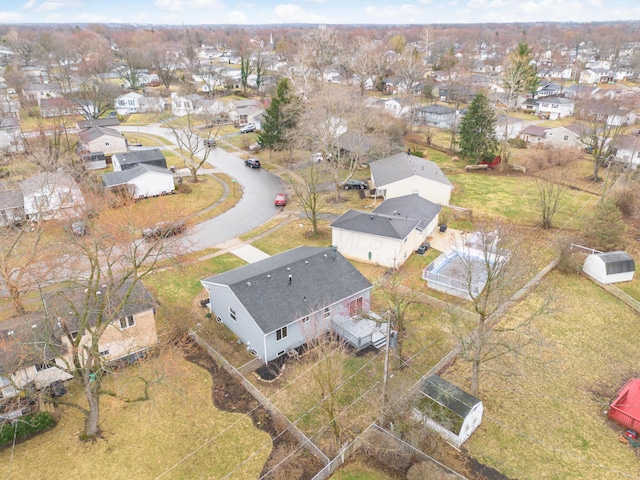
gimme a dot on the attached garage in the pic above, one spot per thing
(610, 267)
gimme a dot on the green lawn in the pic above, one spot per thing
(544, 419)
(178, 432)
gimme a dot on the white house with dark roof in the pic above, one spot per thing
(438, 116)
(126, 160)
(402, 174)
(626, 149)
(556, 107)
(387, 235)
(141, 181)
(278, 304)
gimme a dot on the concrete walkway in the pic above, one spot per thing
(249, 253)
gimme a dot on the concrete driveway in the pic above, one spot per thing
(258, 187)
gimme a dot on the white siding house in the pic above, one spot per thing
(402, 174)
(141, 181)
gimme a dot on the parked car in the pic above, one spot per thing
(79, 228)
(209, 142)
(252, 162)
(248, 128)
(319, 157)
(163, 230)
(354, 184)
(281, 199)
(422, 249)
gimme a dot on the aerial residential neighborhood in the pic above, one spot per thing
(312, 249)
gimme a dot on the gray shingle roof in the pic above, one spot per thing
(394, 218)
(99, 122)
(41, 180)
(319, 277)
(151, 156)
(123, 177)
(534, 130)
(617, 262)
(400, 166)
(92, 133)
(448, 395)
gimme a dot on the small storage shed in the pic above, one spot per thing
(610, 267)
(449, 410)
(625, 408)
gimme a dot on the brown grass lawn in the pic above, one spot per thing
(547, 422)
(146, 439)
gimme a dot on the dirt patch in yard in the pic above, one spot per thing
(229, 395)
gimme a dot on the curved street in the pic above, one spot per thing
(257, 186)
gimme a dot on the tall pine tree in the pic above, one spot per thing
(280, 118)
(477, 131)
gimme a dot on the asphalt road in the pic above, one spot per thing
(258, 187)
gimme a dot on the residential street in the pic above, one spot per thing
(258, 187)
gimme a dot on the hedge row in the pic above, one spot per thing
(25, 426)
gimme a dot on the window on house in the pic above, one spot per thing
(327, 312)
(281, 333)
(126, 322)
(565, 137)
(104, 353)
(306, 319)
(355, 306)
(45, 365)
(232, 314)
(106, 144)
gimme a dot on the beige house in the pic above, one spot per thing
(35, 350)
(403, 174)
(102, 139)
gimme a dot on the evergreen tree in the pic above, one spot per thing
(477, 130)
(520, 75)
(606, 228)
(280, 118)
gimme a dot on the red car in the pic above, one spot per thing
(281, 199)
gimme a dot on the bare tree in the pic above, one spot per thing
(492, 265)
(323, 46)
(602, 121)
(186, 131)
(309, 193)
(103, 275)
(551, 194)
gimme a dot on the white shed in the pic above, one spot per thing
(449, 410)
(610, 267)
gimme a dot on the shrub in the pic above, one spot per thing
(26, 426)
(418, 153)
(517, 143)
(605, 229)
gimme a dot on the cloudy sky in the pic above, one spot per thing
(315, 11)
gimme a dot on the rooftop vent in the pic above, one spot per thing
(290, 278)
(268, 276)
(248, 284)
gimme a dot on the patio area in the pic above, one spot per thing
(361, 333)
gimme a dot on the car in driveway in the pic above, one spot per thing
(248, 128)
(163, 230)
(252, 162)
(281, 199)
(353, 184)
(209, 142)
